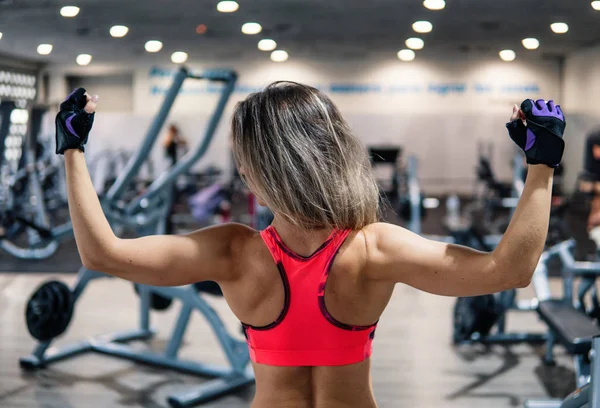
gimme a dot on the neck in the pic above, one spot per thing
(287, 230)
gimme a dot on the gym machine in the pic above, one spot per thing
(571, 325)
(32, 190)
(50, 308)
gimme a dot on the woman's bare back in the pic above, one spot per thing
(258, 299)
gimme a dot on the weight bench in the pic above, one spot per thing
(574, 330)
(568, 326)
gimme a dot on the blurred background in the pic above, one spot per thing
(433, 77)
(427, 85)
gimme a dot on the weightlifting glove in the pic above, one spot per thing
(73, 123)
(542, 137)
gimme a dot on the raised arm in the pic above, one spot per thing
(397, 255)
(167, 260)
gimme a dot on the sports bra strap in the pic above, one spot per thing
(278, 248)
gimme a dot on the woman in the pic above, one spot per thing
(311, 287)
(171, 143)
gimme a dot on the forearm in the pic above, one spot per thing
(93, 233)
(520, 249)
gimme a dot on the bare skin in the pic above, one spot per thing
(369, 265)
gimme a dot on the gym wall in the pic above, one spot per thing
(438, 110)
(117, 95)
(581, 87)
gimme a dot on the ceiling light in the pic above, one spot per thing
(44, 49)
(406, 55)
(267, 45)
(84, 59)
(422, 26)
(179, 57)
(279, 56)
(201, 29)
(153, 46)
(507, 55)
(596, 5)
(251, 28)
(415, 43)
(69, 11)
(0, 36)
(227, 6)
(559, 28)
(531, 43)
(434, 4)
(119, 31)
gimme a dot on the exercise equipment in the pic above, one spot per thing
(147, 214)
(385, 161)
(393, 178)
(157, 302)
(494, 200)
(474, 317)
(591, 158)
(49, 311)
(480, 319)
(568, 325)
(34, 192)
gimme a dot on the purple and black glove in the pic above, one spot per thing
(542, 137)
(73, 123)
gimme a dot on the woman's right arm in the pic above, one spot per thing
(398, 255)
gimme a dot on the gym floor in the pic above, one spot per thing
(414, 363)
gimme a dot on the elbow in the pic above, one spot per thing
(97, 259)
(524, 282)
(522, 278)
(515, 275)
(92, 262)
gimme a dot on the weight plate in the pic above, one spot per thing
(49, 311)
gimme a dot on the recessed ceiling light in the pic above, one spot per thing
(153, 46)
(267, 45)
(434, 4)
(201, 29)
(279, 56)
(415, 43)
(596, 5)
(84, 59)
(251, 28)
(406, 55)
(179, 57)
(559, 28)
(531, 43)
(507, 55)
(119, 31)
(0, 36)
(44, 49)
(69, 11)
(227, 6)
(422, 26)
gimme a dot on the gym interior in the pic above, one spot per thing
(427, 86)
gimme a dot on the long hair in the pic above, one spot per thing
(298, 155)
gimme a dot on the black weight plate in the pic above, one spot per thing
(39, 311)
(64, 308)
(49, 311)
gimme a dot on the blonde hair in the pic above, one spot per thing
(299, 156)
